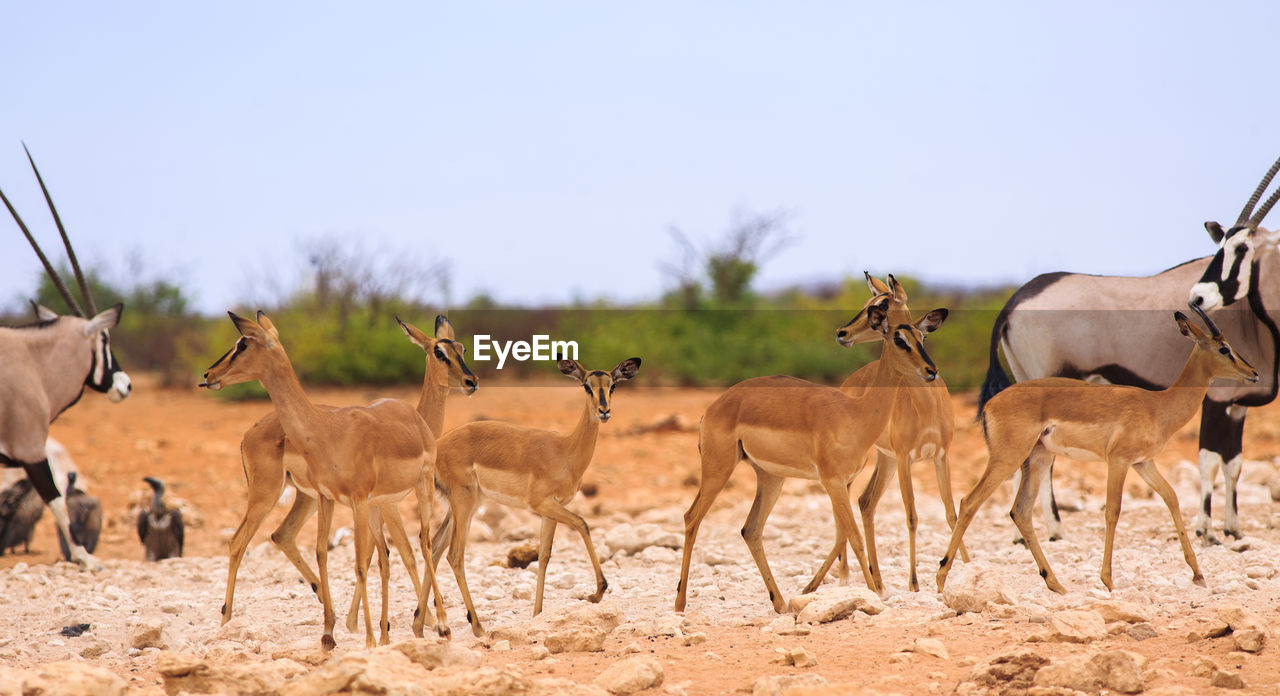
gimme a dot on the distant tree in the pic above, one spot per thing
(727, 268)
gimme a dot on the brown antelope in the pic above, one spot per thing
(920, 426)
(787, 427)
(361, 456)
(1029, 423)
(271, 461)
(44, 369)
(540, 470)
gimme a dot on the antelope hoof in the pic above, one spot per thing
(1056, 586)
(327, 643)
(1052, 537)
(1233, 533)
(1198, 579)
(442, 630)
(914, 584)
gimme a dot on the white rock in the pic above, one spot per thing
(838, 603)
(630, 675)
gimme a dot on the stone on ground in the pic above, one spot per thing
(630, 675)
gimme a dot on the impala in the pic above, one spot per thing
(787, 427)
(1126, 427)
(361, 456)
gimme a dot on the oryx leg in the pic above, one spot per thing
(1231, 470)
(768, 487)
(1149, 473)
(1221, 438)
(41, 477)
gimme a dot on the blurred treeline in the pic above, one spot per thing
(711, 328)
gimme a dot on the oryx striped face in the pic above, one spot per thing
(1229, 277)
(105, 374)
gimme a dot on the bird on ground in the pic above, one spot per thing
(85, 513)
(159, 527)
(20, 509)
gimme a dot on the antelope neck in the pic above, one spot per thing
(431, 403)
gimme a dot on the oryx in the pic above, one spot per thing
(1115, 329)
(44, 368)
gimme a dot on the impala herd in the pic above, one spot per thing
(369, 458)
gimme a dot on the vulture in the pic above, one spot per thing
(85, 513)
(20, 509)
(159, 527)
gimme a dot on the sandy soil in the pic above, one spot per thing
(190, 439)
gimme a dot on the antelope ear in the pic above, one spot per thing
(247, 327)
(1216, 233)
(1188, 328)
(931, 321)
(899, 294)
(105, 320)
(444, 329)
(572, 368)
(265, 323)
(877, 315)
(875, 284)
(43, 313)
(626, 369)
(415, 334)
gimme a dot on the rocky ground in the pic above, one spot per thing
(997, 629)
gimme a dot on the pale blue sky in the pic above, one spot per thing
(542, 149)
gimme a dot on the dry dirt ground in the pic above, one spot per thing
(728, 638)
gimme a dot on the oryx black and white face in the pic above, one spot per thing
(106, 376)
(1231, 273)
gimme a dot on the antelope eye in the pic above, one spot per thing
(1240, 250)
(1224, 350)
(587, 387)
(897, 341)
(241, 344)
(440, 355)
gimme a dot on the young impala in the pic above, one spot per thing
(271, 461)
(787, 427)
(540, 470)
(920, 427)
(1029, 423)
(361, 456)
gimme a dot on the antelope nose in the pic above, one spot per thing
(930, 375)
(604, 416)
(470, 385)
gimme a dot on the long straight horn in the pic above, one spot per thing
(1257, 193)
(1266, 208)
(48, 267)
(71, 254)
(1213, 328)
